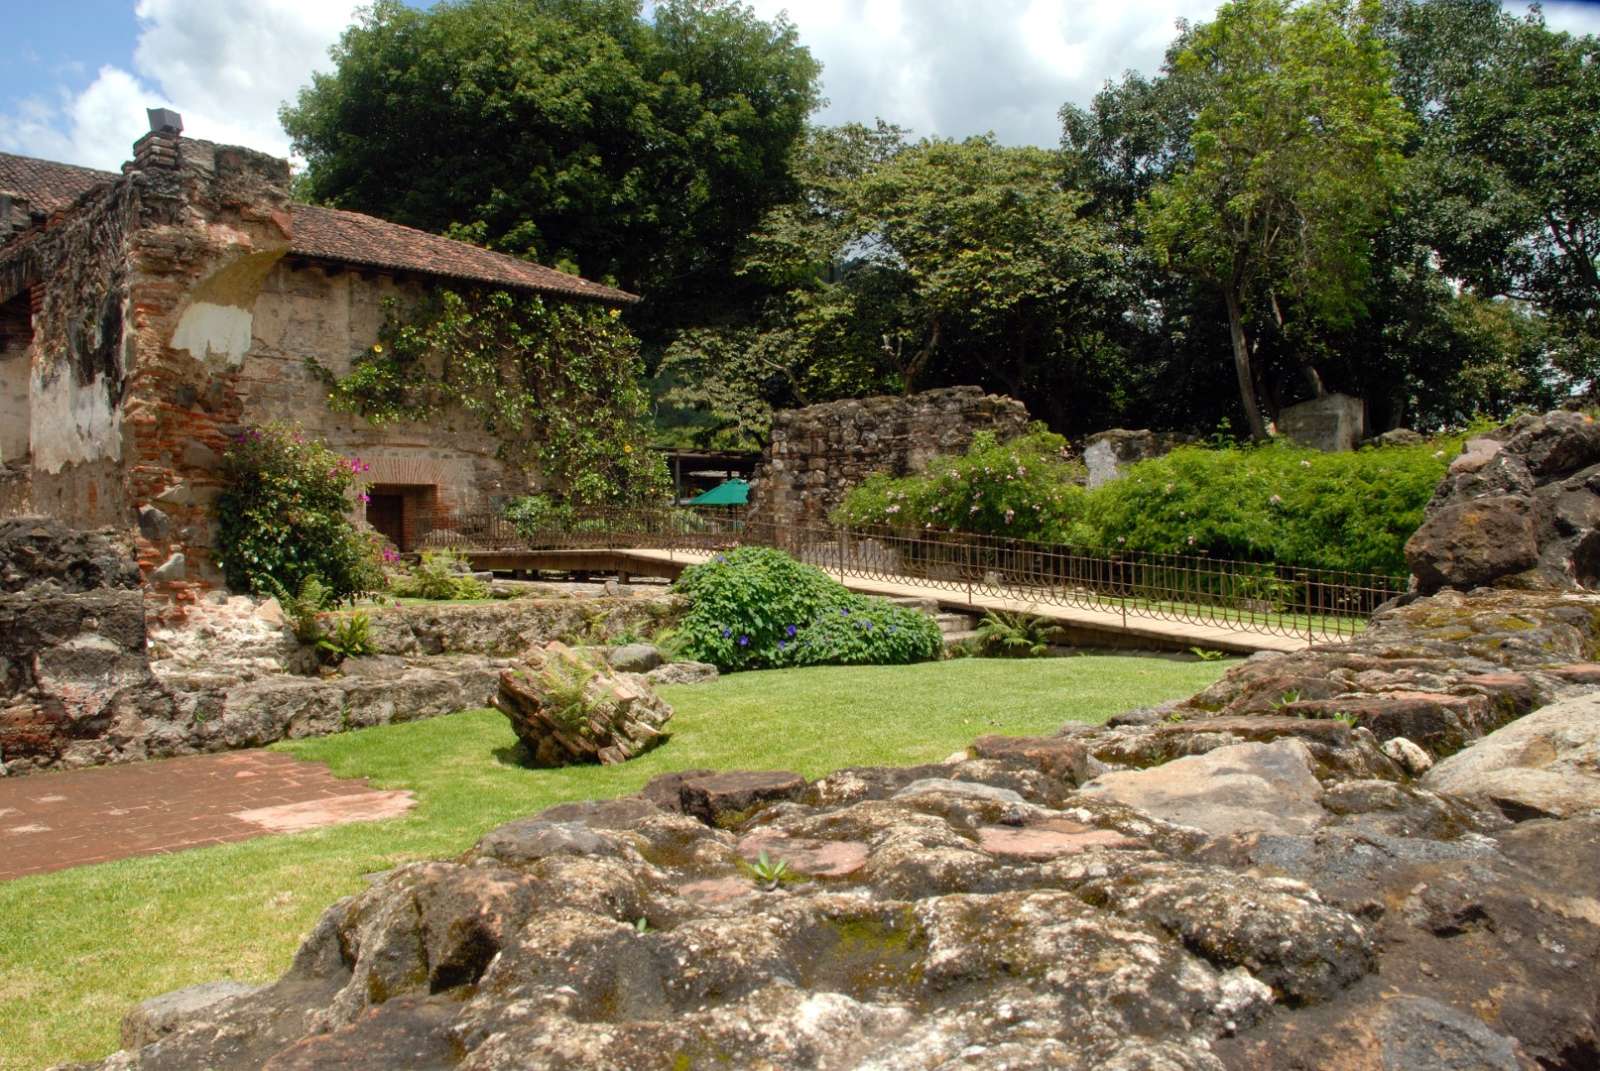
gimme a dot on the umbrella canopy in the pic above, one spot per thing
(727, 493)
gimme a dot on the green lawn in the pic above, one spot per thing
(78, 947)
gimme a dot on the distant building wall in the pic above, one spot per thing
(817, 454)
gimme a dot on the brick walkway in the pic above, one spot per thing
(58, 820)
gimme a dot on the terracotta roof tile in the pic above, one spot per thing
(48, 186)
(333, 234)
(352, 238)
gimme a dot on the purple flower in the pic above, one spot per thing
(744, 641)
(727, 632)
(782, 644)
(722, 558)
(791, 630)
(843, 612)
(867, 625)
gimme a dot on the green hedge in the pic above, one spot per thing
(1268, 503)
(757, 608)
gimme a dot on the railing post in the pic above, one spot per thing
(1311, 622)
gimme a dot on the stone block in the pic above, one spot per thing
(1332, 423)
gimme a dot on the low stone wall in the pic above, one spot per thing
(819, 453)
(84, 684)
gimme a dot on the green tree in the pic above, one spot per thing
(1296, 163)
(574, 131)
(903, 266)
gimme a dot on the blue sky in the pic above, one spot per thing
(76, 75)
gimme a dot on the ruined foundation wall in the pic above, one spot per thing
(819, 453)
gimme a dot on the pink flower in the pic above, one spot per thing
(364, 497)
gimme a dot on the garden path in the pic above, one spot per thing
(52, 821)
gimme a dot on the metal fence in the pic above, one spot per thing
(1245, 596)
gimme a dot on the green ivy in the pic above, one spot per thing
(756, 608)
(283, 517)
(557, 383)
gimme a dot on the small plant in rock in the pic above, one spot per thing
(1205, 654)
(304, 606)
(567, 694)
(441, 575)
(1346, 717)
(350, 637)
(1002, 634)
(1290, 696)
(641, 925)
(770, 872)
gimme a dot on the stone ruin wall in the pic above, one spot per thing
(819, 453)
(164, 317)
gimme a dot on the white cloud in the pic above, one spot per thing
(954, 67)
(226, 65)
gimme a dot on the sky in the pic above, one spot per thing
(76, 75)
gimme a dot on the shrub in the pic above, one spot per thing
(1014, 635)
(283, 516)
(1270, 503)
(304, 606)
(755, 607)
(1027, 488)
(441, 575)
(350, 637)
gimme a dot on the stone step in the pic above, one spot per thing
(916, 602)
(952, 622)
(953, 638)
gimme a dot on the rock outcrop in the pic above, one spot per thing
(567, 709)
(1546, 764)
(1519, 509)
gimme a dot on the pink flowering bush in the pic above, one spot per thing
(284, 515)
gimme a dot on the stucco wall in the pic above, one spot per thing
(16, 331)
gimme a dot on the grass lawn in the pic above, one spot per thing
(79, 947)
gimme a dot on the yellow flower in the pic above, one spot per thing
(615, 313)
(627, 448)
(377, 347)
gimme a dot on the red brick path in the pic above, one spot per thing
(58, 820)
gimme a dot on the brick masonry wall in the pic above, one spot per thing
(819, 453)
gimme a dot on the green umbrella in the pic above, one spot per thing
(727, 493)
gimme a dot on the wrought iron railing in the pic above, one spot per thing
(1247, 596)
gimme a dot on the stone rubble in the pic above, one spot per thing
(568, 708)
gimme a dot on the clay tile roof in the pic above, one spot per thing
(48, 186)
(352, 238)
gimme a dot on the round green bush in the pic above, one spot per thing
(284, 515)
(756, 608)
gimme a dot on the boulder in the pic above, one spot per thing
(1333, 422)
(682, 673)
(1469, 543)
(154, 1019)
(1233, 789)
(567, 709)
(634, 658)
(1545, 764)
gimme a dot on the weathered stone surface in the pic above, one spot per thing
(1107, 453)
(818, 453)
(634, 658)
(1333, 422)
(566, 709)
(507, 628)
(1411, 758)
(1545, 764)
(723, 798)
(157, 1017)
(682, 673)
(1518, 508)
(1466, 544)
(1233, 789)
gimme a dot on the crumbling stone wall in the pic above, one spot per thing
(72, 638)
(165, 315)
(818, 453)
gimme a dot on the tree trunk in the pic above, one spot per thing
(1241, 365)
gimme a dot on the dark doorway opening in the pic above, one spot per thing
(386, 511)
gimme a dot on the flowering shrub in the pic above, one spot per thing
(1027, 488)
(755, 608)
(283, 516)
(1271, 503)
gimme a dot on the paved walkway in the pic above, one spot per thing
(1180, 633)
(57, 820)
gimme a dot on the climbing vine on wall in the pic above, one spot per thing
(558, 383)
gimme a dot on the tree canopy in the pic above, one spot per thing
(573, 131)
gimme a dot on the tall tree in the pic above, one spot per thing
(574, 131)
(1296, 163)
(908, 266)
